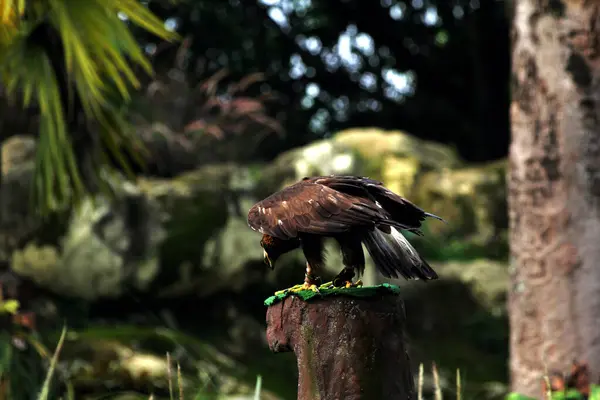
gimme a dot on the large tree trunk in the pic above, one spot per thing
(554, 189)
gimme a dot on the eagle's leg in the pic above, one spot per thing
(343, 277)
(309, 278)
(310, 282)
(312, 246)
(353, 259)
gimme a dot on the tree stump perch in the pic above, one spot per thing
(348, 346)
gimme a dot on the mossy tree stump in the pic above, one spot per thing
(349, 343)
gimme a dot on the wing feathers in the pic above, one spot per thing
(302, 220)
(288, 227)
(403, 212)
(327, 205)
(312, 208)
(322, 210)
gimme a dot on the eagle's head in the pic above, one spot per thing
(274, 247)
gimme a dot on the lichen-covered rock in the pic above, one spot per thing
(372, 143)
(111, 246)
(323, 157)
(16, 151)
(190, 228)
(393, 156)
(17, 224)
(106, 245)
(473, 201)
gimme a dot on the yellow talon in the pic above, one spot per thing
(350, 284)
(295, 288)
(298, 288)
(327, 285)
(317, 289)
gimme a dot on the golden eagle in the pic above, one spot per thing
(353, 210)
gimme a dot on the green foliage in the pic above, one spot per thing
(22, 367)
(93, 75)
(516, 396)
(257, 387)
(31, 373)
(437, 247)
(197, 373)
(45, 392)
(569, 394)
(9, 306)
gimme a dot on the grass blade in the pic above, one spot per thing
(46, 388)
(458, 385)
(257, 388)
(436, 382)
(170, 376)
(420, 383)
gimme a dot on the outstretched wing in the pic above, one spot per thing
(313, 208)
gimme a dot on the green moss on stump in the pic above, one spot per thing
(364, 291)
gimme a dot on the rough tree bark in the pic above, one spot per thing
(347, 348)
(554, 189)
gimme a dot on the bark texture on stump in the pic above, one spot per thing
(347, 348)
(554, 190)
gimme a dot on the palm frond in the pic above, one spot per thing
(98, 52)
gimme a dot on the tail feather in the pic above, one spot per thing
(394, 256)
(436, 217)
(400, 209)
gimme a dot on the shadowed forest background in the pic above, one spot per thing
(126, 221)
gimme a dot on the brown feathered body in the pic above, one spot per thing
(353, 211)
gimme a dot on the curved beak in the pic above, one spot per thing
(267, 259)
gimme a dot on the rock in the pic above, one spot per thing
(17, 223)
(474, 197)
(192, 228)
(122, 243)
(16, 151)
(372, 143)
(389, 155)
(168, 153)
(396, 157)
(116, 242)
(323, 157)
